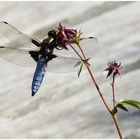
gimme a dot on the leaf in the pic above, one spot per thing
(81, 66)
(121, 107)
(86, 61)
(78, 63)
(130, 103)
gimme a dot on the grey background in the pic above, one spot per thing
(67, 106)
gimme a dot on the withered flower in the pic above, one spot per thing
(66, 36)
(113, 68)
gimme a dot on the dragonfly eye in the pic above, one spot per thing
(52, 33)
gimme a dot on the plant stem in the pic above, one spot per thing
(76, 52)
(94, 81)
(114, 117)
(98, 89)
(113, 90)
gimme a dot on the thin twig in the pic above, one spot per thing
(114, 116)
(98, 89)
(76, 51)
(117, 126)
(113, 91)
(91, 75)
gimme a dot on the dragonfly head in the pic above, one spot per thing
(51, 37)
(52, 34)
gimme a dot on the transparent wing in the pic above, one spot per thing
(14, 45)
(22, 58)
(62, 64)
(17, 57)
(16, 39)
(67, 63)
(88, 45)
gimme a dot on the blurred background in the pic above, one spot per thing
(67, 106)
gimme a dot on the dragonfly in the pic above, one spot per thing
(24, 50)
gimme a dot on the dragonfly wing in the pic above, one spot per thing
(61, 64)
(13, 38)
(15, 45)
(66, 59)
(17, 57)
(88, 45)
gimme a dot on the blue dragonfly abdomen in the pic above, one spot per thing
(38, 75)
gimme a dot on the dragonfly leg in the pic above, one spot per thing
(34, 55)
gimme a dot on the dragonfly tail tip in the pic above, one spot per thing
(33, 93)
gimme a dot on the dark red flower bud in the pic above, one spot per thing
(70, 33)
(113, 67)
(66, 36)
